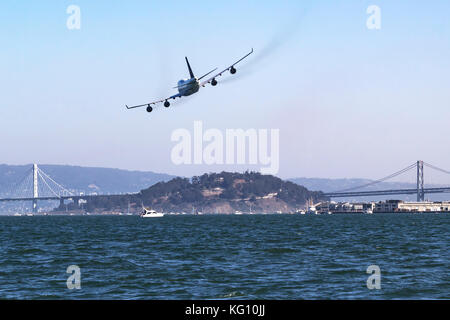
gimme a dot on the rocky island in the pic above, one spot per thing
(223, 193)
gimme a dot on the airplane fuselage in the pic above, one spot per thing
(186, 87)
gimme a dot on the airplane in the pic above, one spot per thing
(187, 87)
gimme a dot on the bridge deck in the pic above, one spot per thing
(384, 192)
(67, 197)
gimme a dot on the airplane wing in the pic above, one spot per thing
(225, 70)
(154, 102)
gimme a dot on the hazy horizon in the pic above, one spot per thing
(206, 172)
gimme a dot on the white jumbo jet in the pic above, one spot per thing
(187, 87)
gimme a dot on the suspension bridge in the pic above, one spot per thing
(36, 186)
(420, 190)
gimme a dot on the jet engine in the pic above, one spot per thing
(214, 82)
(149, 109)
(232, 70)
(167, 104)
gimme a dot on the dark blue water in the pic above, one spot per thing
(226, 257)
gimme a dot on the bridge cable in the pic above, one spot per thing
(40, 175)
(414, 165)
(15, 188)
(436, 168)
(57, 184)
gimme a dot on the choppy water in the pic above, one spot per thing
(223, 257)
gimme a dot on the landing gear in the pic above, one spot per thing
(214, 82)
(167, 104)
(149, 109)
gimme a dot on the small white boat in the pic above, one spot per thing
(238, 212)
(30, 214)
(17, 214)
(151, 213)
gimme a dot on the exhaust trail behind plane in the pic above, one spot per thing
(280, 38)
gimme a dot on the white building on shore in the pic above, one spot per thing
(389, 206)
(402, 206)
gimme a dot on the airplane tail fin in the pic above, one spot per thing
(189, 67)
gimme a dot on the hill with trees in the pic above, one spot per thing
(223, 192)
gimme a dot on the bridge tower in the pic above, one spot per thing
(35, 187)
(420, 182)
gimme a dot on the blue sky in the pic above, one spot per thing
(349, 101)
